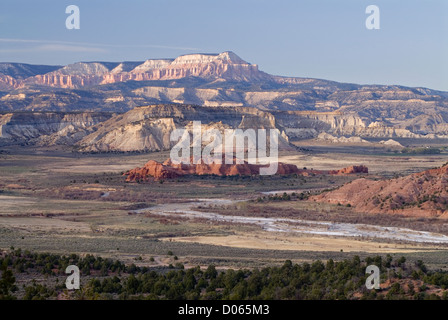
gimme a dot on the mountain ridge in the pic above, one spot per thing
(306, 107)
(226, 65)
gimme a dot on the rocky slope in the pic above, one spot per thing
(12, 74)
(145, 128)
(148, 128)
(420, 194)
(48, 128)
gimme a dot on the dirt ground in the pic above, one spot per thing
(305, 243)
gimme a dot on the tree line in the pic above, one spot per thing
(330, 280)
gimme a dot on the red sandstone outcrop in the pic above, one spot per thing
(350, 170)
(168, 170)
(419, 194)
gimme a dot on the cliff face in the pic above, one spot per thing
(149, 128)
(143, 128)
(7, 82)
(303, 107)
(169, 170)
(12, 74)
(47, 128)
(308, 124)
(350, 170)
(226, 65)
(139, 135)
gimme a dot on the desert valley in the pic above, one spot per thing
(85, 166)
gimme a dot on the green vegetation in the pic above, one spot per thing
(310, 281)
(427, 150)
(7, 286)
(284, 197)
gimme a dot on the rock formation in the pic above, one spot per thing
(145, 128)
(391, 143)
(332, 139)
(13, 74)
(419, 194)
(226, 65)
(48, 128)
(350, 170)
(304, 107)
(168, 170)
(149, 128)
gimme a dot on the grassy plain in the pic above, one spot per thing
(58, 201)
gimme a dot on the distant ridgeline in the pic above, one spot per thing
(302, 108)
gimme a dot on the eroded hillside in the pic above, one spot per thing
(419, 194)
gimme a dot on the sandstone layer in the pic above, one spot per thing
(149, 128)
(154, 170)
(169, 170)
(304, 107)
(145, 128)
(226, 65)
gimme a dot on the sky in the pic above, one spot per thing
(325, 39)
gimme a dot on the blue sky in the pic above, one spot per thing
(314, 38)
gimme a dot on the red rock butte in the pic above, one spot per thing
(169, 170)
(350, 170)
